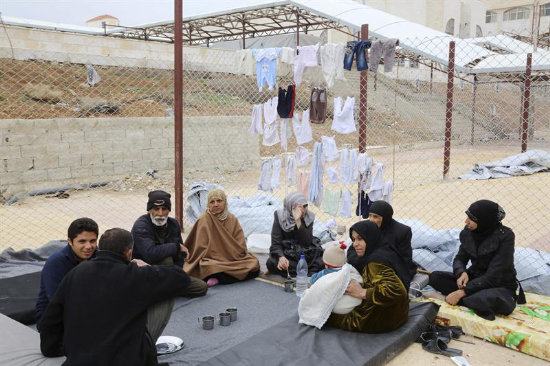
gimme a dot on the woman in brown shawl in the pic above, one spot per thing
(217, 246)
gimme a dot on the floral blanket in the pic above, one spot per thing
(526, 330)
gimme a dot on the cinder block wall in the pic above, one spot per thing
(45, 153)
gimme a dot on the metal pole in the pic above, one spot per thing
(431, 76)
(525, 104)
(449, 112)
(178, 109)
(244, 30)
(474, 111)
(363, 98)
(297, 29)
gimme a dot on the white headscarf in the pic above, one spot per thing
(286, 220)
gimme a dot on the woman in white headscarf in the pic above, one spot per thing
(292, 235)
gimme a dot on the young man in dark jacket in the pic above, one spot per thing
(488, 286)
(98, 314)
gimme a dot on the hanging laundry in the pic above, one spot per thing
(265, 176)
(271, 132)
(302, 183)
(331, 201)
(388, 192)
(332, 58)
(359, 50)
(363, 205)
(345, 166)
(315, 192)
(276, 173)
(376, 190)
(306, 56)
(345, 204)
(363, 168)
(286, 133)
(290, 172)
(384, 48)
(302, 130)
(318, 105)
(266, 66)
(285, 105)
(288, 55)
(344, 119)
(332, 175)
(244, 62)
(329, 148)
(302, 156)
(256, 127)
(353, 164)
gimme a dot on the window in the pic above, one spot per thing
(516, 14)
(490, 16)
(545, 10)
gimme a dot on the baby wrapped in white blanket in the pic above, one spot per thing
(326, 296)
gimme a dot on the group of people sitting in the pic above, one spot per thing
(109, 306)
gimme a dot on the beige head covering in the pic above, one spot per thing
(218, 194)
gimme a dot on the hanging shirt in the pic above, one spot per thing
(307, 56)
(271, 132)
(256, 127)
(288, 55)
(388, 192)
(331, 201)
(345, 204)
(344, 119)
(286, 133)
(244, 62)
(332, 175)
(376, 191)
(266, 66)
(332, 59)
(302, 130)
(302, 156)
(290, 172)
(329, 148)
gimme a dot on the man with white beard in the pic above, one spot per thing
(157, 240)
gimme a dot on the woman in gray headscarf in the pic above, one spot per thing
(292, 234)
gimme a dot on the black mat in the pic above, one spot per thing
(290, 343)
(19, 295)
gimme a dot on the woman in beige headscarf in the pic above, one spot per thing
(217, 246)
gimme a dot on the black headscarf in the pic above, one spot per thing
(378, 251)
(384, 209)
(487, 215)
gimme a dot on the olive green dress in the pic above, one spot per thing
(386, 307)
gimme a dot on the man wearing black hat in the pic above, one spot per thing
(397, 235)
(157, 240)
(488, 286)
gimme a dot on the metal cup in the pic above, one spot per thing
(233, 313)
(225, 319)
(289, 285)
(208, 322)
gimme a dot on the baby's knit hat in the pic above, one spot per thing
(335, 255)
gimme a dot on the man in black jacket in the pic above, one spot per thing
(98, 314)
(488, 286)
(395, 233)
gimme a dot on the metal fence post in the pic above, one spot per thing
(525, 105)
(363, 98)
(178, 110)
(449, 112)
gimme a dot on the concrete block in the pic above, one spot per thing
(115, 135)
(135, 134)
(20, 165)
(10, 152)
(92, 159)
(101, 146)
(46, 162)
(123, 168)
(102, 170)
(70, 160)
(10, 179)
(59, 173)
(94, 135)
(13, 139)
(81, 172)
(159, 142)
(58, 148)
(80, 147)
(72, 136)
(31, 151)
(113, 156)
(34, 176)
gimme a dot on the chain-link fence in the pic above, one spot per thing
(92, 140)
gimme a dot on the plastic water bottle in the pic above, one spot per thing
(301, 276)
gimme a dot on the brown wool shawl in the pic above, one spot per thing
(218, 246)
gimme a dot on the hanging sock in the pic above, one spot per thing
(265, 176)
(290, 173)
(276, 173)
(256, 123)
(315, 193)
(345, 204)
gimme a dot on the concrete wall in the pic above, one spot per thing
(44, 153)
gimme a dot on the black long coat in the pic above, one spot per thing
(98, 314)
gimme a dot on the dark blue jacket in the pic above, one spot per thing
(151, 246)
(56, 267)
